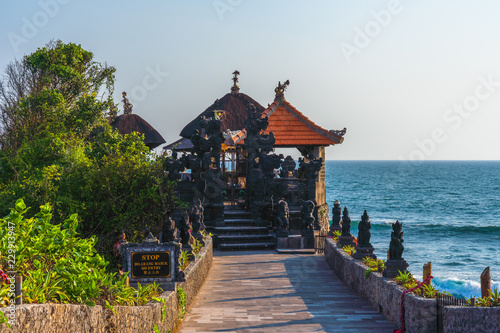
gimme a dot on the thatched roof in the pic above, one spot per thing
(235, 106)
(128, 123)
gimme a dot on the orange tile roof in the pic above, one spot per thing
(291, 128)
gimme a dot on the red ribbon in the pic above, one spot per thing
(5, 277)
(402, 318)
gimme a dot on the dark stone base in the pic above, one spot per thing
(345, 241)
(393, 267)
(334, 228)
(282, 233)
(309, 233)
(214, 215)
(364, 252)
(295, 242)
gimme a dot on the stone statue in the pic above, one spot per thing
(346, 239)
(282, 219)
(269, 164)
(396, 247)
(288, 167)
(312, 168)
(213, 140)
(169, 231)
(196, 216)
(309, 170)
(256, 181)
(280, 90)
(174, 166)
(395, 263)
(127, 106)
(255, 124)
(181, 218)
(307, 218)
(364, 233)
(212, 190)
(336, 213)
(346, 223)
(364, 249)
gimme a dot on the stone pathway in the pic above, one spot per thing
(263, 291)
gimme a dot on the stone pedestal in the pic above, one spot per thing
(295, 242)
(214, 215)
(345, 241)
(336, 213)
(280, 233)
(364, 252)
(333, 228)
(393, 267)
(307, 233)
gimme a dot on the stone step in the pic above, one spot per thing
(242, 230)
(246, 246)
(236, 214)
(239, 222)
(235, 239)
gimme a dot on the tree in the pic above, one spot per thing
(57, 147)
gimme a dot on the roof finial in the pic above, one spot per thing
(235, 89)
(127, 106)
(280, 90)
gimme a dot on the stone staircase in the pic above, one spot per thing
(241, 233)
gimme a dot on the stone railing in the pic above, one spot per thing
(78, 318)
(383, 294)
(458, 319)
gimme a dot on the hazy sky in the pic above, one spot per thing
(409, 79)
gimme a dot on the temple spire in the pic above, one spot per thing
(235, 89)
(280, 90)
(127, 106)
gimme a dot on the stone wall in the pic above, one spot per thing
(64, 318)
(383, 294)
(466, 319)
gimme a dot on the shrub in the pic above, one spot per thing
(58, 266)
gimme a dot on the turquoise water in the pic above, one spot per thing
(450, 212)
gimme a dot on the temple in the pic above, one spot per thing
(231, 165)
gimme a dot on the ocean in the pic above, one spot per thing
(450, 212)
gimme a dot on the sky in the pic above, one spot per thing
(410, 80)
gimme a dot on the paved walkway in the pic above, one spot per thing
(263, 291)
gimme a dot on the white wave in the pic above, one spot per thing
(464, 288)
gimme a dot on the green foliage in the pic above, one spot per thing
(404, 278)
(336, 235)
(350, 250)
(164, 308)
(375, 264)
(197, 247)
(58, 266)
(156, 329)
(184, 260)
(368, 272)
(181, 298)
(429, 291)
(110, 307)
(57, 147)
(492, 301)
(4, 320)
